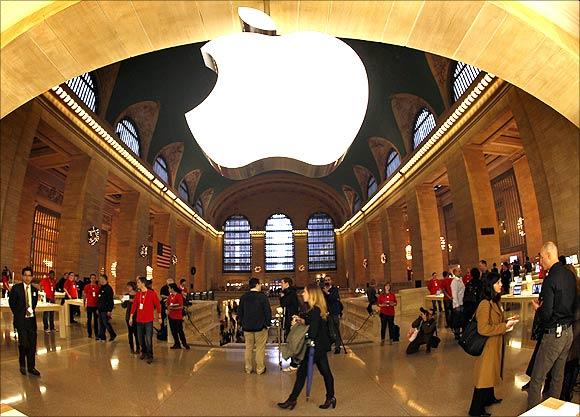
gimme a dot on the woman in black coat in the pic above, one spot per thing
(316, 319)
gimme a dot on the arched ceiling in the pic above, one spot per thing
(178, 80)
(533, 45)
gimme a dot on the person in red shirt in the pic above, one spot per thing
(467, 278)
(90, 296)
(72, 292)
(447, 297)
(5, 283)
(48, 284)
(175, 308)
(434, 288)
(387, 302)
(144, 304)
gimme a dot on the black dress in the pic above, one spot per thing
(317, 332)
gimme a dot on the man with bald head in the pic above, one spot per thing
(556, 306)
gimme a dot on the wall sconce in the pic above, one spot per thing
(383, 258)
(502, 226)
(94, 235)
(114, 269)
(408, 252)
(442, 242)
(257, 269)
(520, 225)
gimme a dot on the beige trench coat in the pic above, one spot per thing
(490, 323)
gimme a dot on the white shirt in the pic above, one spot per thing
(457, 291)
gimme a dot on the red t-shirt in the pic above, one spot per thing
(6, 283)
(71, 288)
(174, 299)
(387, 310)
(466, 278)
(47, 285)
(446, 288)
(143, 304)
(433, 286)
(91, 294)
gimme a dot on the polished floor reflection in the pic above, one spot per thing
(82, 377)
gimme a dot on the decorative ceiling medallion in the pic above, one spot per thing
(94, 234)
(294, 102)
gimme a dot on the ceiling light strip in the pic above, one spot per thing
(437, 137)
(108, 143)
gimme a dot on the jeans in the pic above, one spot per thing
(48, 317)
(323, 368)
(145, 335)
(255, 340)
(552, 355)
(132, 334)
(92, 316)
(176, 327)
(390, 321)
(448, 304)
(104, 325)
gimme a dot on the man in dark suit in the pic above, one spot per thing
(23, 299)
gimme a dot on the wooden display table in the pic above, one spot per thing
(553, 407)
(41, 308)
(77, 302)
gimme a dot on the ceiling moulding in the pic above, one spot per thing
(108, 142)
(145, 115)
(172, 154)
(380, 148)
(405, 108)
(450, 124)
(362, 175)
(192, 179)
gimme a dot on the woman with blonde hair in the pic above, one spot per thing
(316, 319)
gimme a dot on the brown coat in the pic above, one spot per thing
(490, 322)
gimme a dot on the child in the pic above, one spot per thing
(175, 309)
(130, 291)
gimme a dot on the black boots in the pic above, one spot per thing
(330, 402)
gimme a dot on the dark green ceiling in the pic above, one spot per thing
(178, 79)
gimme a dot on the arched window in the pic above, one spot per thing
(371, 186)
(463, 77)
(160, 168)
(183, 191)
(279, 244)
(321, 243)
(424, 124)
(198, 207)
(237, 245)
(393, 162)
(127, 132)
(356, 204)
(85, 88)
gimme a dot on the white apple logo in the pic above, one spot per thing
(301, 96)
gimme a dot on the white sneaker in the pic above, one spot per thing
(289, 369)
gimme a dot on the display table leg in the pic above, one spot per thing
(62, 321)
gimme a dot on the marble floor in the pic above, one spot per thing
(82, 377)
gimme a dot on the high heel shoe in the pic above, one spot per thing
(288, 404)
(329, 402)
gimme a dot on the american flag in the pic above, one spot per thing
(163, 255)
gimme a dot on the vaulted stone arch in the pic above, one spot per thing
(172, 154)
(191, 180)
(405, 108)
(144, 114)
(362, 175)
(441, 68)
(380, 148)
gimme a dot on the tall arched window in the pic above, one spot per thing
(85, 88)
(424, 124)
(127, 132)
(160, 168)
(371, 186)
(237, 245)
(183, 191)
(356, 203)
(393, 162)
(463, 77)
(198, 207)
(279, 244)
(321, 243)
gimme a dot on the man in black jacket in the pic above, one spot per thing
(255, 315)
(105, 304)
(23, 298)
(289, 302)
(556, 306)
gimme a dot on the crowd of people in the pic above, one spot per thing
(471, 298)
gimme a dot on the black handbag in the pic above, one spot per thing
(471, 341)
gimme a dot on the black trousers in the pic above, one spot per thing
(176, 327)
(422, 339)
(387, 321)
(482, 397)
(145, 334)
(336, 327)
(105, 325)
(448, 304)
(48, 318)
(27, 343)
(92, 321)
(324, 369)
(435, 304)
(132, 336)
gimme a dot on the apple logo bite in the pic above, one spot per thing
(294, 102)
